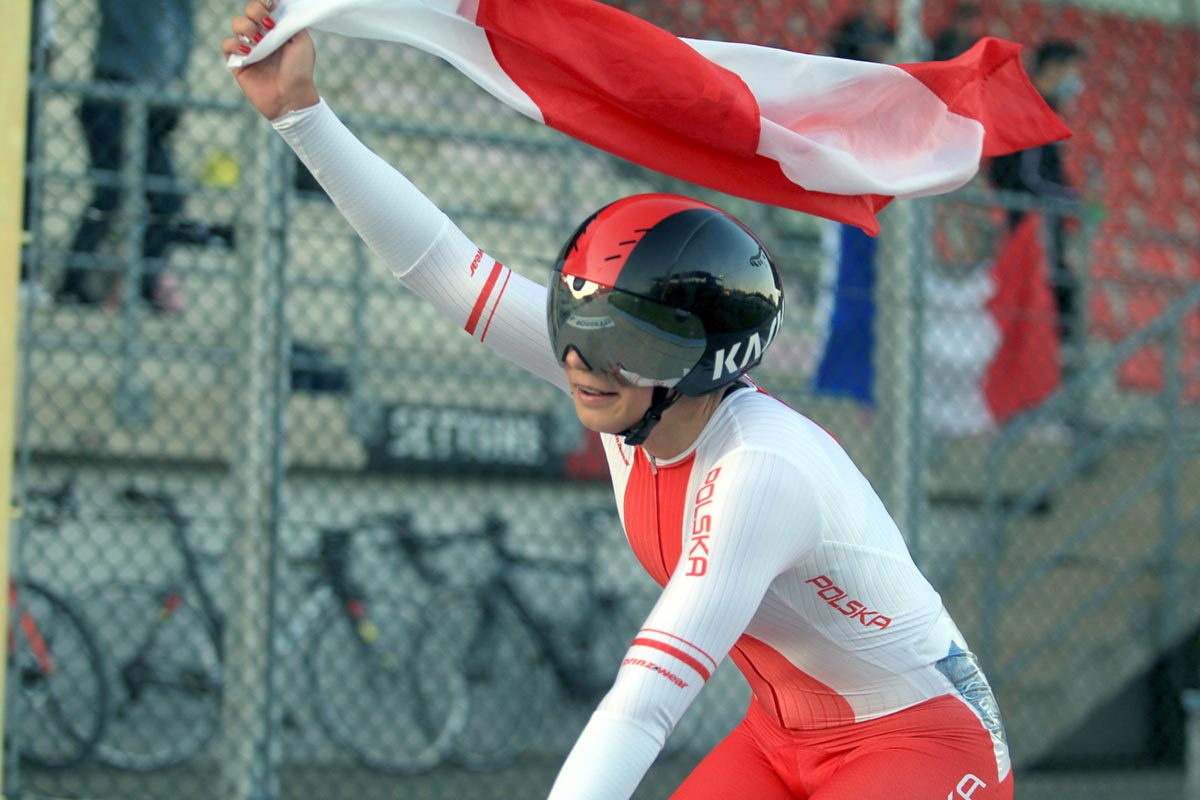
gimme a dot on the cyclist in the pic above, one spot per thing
(771, 546)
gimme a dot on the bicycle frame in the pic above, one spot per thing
(332, 558)
(191, 578)
(568, 664)
(31, 632)
(333, 583)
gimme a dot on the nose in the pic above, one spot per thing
(575, 361)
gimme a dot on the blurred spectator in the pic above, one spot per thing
(1040, 171)
(965, 28)
(868, 35)
(41, 50)
(144, 44)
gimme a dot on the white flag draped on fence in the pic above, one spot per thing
(828, 136)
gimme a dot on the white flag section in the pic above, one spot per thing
(960, 339)
(434, 26)
(820, 121)
(827, 136)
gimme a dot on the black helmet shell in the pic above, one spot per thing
(690, 295)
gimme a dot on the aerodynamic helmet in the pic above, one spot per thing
(665, 291)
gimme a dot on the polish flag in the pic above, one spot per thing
(991, 338)
(1027, 367)
(989, 334)
(826, 136)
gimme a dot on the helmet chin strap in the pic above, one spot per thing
(660, 401)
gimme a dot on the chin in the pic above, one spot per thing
(601, 423)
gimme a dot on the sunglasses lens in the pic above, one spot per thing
(646, 343)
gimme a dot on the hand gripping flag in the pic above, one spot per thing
(827, 136)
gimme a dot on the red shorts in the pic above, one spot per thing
(937, 749)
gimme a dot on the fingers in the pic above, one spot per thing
(260, 12)
(245, 34)
(249, 28)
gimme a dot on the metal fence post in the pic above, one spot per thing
(1172, 526)
(246, 773)
(131, 399)
(895, 279)
(1191, 758)
(897, 275)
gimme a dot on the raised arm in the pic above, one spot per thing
(419, 244)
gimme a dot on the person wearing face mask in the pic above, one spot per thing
(1040, 172)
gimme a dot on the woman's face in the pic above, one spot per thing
(604, 403)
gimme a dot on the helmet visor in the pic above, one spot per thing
(643, 342)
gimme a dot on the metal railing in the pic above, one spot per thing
(1163, 477)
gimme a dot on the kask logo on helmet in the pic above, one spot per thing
(726, 362)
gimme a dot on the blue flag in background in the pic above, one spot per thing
(847, 363)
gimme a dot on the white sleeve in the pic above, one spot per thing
(421, 246)
(764, 520)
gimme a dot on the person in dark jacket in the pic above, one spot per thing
(144, 44)
(866, 36)
(1040, 171)
(965, 28)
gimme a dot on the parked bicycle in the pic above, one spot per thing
(60, 701)
(513, 652)
(165, 647)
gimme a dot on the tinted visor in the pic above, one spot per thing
(643, 342)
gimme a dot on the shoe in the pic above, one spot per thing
(167, 297)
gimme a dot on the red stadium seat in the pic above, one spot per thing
(1144, 304)
(1157, 259)
(1105, 258)
(1144, 371)
(1102, 318)
(1191, 327)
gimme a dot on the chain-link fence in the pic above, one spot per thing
(260, 480)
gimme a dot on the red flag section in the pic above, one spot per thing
(1027, 367)
(579, 59)
(700, 124)
(632, 89)
(987, 83)
(826, 136)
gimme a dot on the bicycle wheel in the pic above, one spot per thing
(61, 696)
(164, 676)
(508, 681)
(378, 692)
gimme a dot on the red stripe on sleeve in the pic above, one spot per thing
(481, 301)
(699, 650)
(495, 305)
(695, 664)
